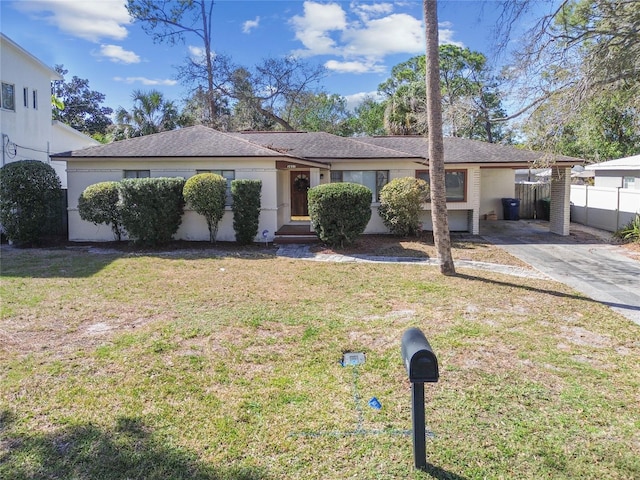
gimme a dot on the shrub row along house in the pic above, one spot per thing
(478, 174)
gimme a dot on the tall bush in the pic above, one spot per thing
(400, 202)
(246, 209)
(339, 211)
(100, 203)
(206, 193)
(30, 195)
(152, 208)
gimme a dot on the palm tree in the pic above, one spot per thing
(151, 113)
(439, 215)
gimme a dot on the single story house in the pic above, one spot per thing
(620, 173)
(478, 174)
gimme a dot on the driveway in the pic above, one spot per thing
(584, 260)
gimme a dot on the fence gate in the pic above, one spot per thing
(530, 196)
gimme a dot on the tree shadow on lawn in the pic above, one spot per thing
(547, 292)
(82, 260)
(131, 450)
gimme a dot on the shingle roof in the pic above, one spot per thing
(319, 145)
(463, 150)
(197, 141)
(200, 141)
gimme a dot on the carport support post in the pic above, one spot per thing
(419, 432)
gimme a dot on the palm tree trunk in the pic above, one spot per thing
(436, 145)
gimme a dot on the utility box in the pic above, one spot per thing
(418, 357)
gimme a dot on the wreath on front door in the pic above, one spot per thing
(301, 183)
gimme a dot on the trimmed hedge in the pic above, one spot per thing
(246, 209)
(400, 202)
(339, 211)
(206, 193)
(30, 194)
(152, 208)
(100, 203)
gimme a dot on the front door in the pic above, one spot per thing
(300, 183)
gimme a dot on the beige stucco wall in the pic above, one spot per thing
(82, 173)
(497, 183)
(463, 216)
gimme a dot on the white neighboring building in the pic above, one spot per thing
(619, 173)
(25, 111)
(64, 139)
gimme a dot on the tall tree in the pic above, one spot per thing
(439, 214)
(151, 113)
(169, 21)
(272, 89)
(368, 118)
(322, 113)
(579, 53)
(470, 96)
(82, 107)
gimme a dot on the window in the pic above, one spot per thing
(628, 182)
(137, 173)
(8, 96)
(25, 97)
(228, 175)
(35, 99)
(372, 179)
(455, 182)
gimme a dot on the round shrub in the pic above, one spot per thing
(206, 193)
(100, 203)
(339, 211)
(246, 209)
(400, 202)
(30, 194)
(152, 208)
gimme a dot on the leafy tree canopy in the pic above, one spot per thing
(82, 106)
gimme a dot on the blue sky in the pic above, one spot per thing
(357, 41)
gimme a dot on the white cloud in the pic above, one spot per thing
(146, 81)
(91, 20)
(354, 100)
(396, 33)
(117, 54)
(445, 34)
(363, 43)
(353, 66)
(250, 25)
(368, 10)
(313, 29)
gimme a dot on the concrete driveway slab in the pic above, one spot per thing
(584, 261)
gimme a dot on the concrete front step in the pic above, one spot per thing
(287, 239)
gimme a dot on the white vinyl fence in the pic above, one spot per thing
(605, 208)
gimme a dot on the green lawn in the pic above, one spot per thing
(188, 365)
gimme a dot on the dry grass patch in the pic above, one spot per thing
(201, 365)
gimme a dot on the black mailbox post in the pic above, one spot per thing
(422, 366)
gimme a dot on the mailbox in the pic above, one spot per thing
(420, 361)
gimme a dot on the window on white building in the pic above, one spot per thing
(374, 180)
(35, 99)
(137, 173)
(8, 94)
(25, 97)
(228, 175)
(628, 182)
